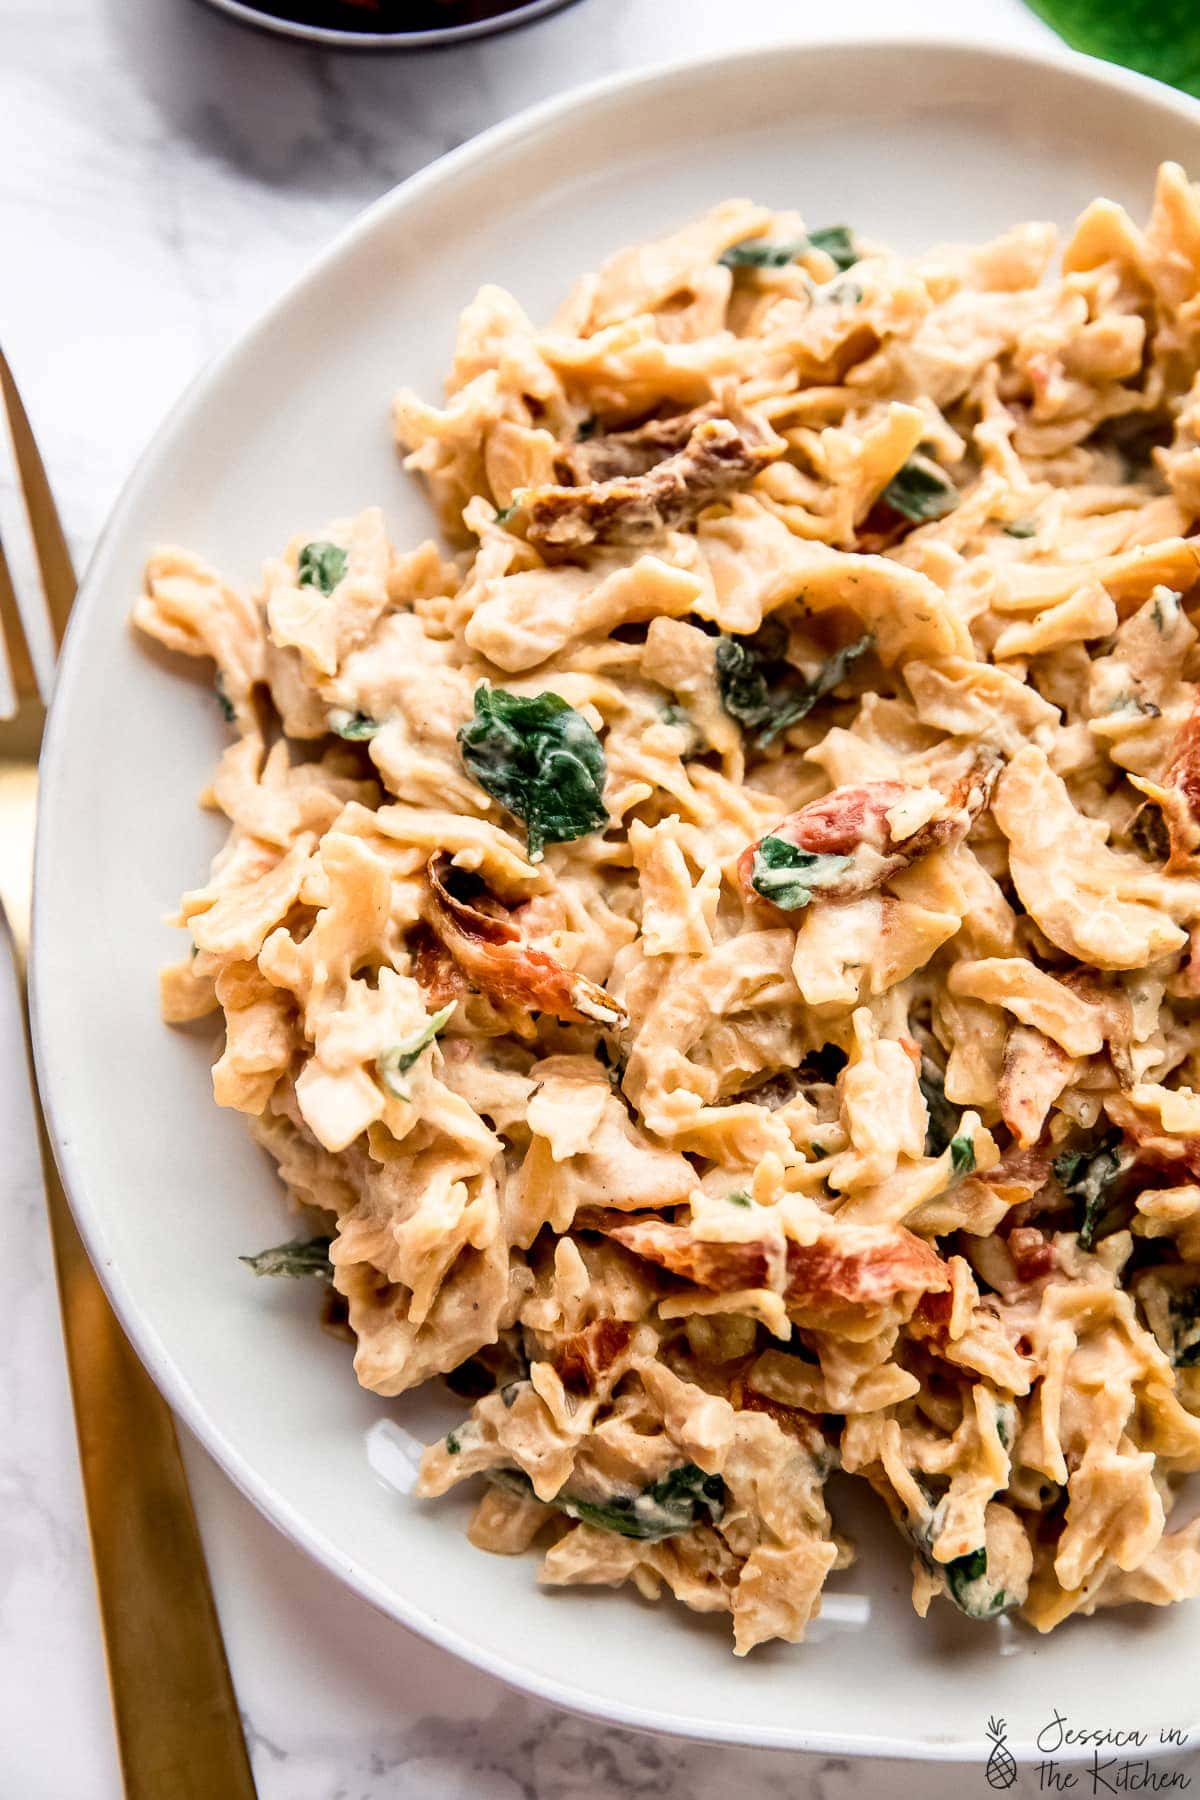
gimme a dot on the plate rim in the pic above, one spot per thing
(168, 1376)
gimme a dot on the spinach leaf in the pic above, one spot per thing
(741, 683)
(760, 253)
(943, 1117)
(1087, 1177)
(966, 1579)
(962, 1154)
(920, 491)
(942, 1132)
(303, 1256)
(390, 1064)
(539, 758)
(789, 876)
(739, 1197)
(321, 565)
(684, 1497)
(837, 241)
(969, 1588)
(223, 701)
(766, 694)
(355, 727)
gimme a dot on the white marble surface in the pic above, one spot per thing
(163, 173)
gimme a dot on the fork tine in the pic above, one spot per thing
(50, 545)
(13, 639)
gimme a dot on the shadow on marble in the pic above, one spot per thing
(307, 120)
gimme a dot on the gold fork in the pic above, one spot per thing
(178, 1731)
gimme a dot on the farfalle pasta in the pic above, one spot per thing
(713, 949)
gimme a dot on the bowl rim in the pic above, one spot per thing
(167, 1375)
(246, 13)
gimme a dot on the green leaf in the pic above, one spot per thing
(966, 1577)
(539, 758)
(760, 253)
(837, 241)
(921, 491)
(504, 515)
(962, 1154)
(390, 1064)
(765, 693)
(741, 683)
(739, 1197)
(303, 1256)
(1087, 1178)
(228, 713)
(355, 727)
(1156, 37)
(969, 1588)
(788, 876)
(1020, 528)
(943, 1117)
(684, 1497)
(321, 565)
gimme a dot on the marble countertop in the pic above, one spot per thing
(163, 173)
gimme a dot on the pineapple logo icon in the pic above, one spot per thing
(1001, 1768)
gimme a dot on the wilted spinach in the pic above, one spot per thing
(1087, 1178)
(966, 1579)
(303, 1256)
(962, 1153)
(969, 1588)
(788, 876)
(539, 758)
(760, 253)
(321, 565)
(684, 1497)
(921, 491)
(765, 693)
(943, 1117)
(837, 241)
(355, 727)
(393, 1062)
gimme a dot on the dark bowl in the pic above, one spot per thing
(372, 24)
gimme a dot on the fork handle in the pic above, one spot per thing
(178, 1731)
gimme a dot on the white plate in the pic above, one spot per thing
(912, 143)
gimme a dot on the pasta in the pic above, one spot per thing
(713, 949)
